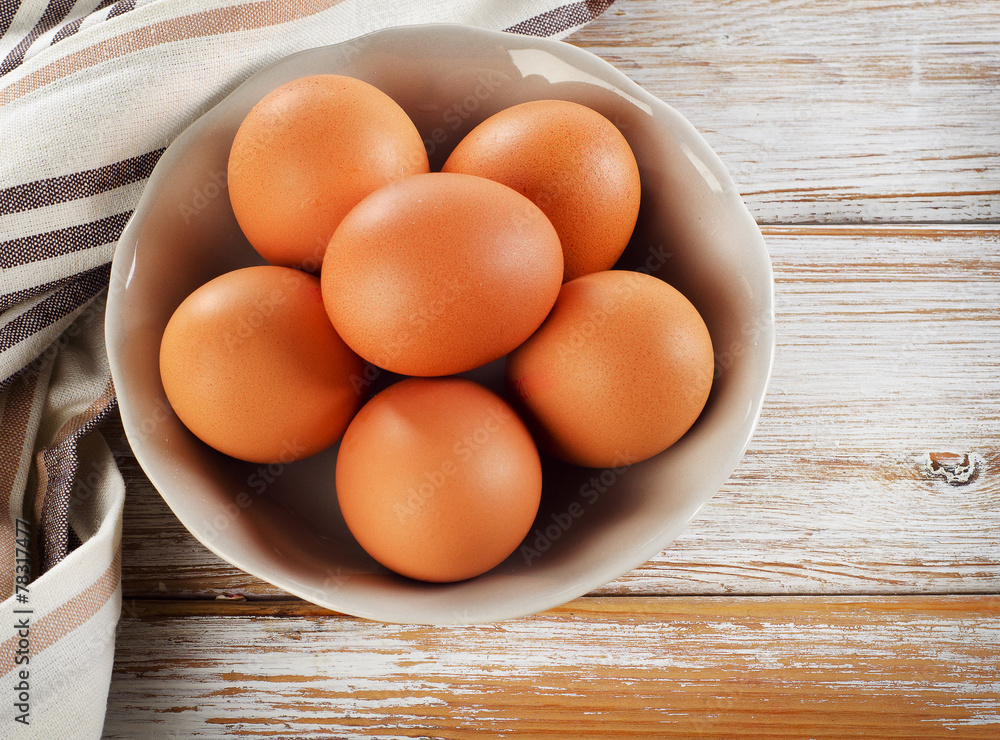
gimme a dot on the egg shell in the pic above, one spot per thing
(252, 366)
(570, 161)
(305, 155)
(438, 479)
(440, 273)
(619, 371)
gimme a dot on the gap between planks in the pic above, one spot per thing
(599, 606)
(925, 229)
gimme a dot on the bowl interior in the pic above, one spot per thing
(281, 522)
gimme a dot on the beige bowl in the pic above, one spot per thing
(281, 522)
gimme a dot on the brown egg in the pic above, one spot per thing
(252, 366)
(440, 273)
(570, 161)
(619, 371)
(306, 154)
(438, 479)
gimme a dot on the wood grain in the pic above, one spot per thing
(888, 352)
(826, 111)
(916, 667)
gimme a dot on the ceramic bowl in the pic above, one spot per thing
(281, 523)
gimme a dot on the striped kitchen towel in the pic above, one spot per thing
(91, 92)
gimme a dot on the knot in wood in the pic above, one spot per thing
(954, 468)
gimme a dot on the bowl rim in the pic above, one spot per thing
(124, 261)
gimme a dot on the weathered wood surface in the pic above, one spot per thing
(844, 582)
(829, 111)
(807, 667)
(888, 353)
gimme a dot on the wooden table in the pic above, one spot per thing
(846, 581)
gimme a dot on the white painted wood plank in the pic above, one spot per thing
(888, 351)
(865, 111)
(664, 668)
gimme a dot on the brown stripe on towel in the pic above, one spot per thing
(243, 17)
(57, 467)
(73, 26)
(48, 629)
(7, 12)
(55, 11)
(561, 19)
(9, 300)
(74, 238)
(122, 6)
(67, 30)
(56, 306)
(75, 185)
(13, 438)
